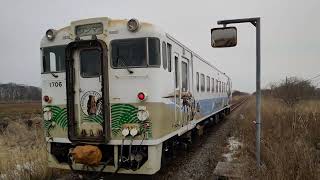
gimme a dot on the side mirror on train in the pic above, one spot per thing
(224, 37)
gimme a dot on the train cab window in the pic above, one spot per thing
(197, 81)
(53, 59)
(90, 63)
(208, 84)
(202, 83)
(176, 70)
(154, 52)
(184, 76)
(164, 55)
(212, 85)
(169, 51)
(133, 52)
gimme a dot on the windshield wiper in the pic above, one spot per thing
(54, 75)
(123, 62)
(125, 65)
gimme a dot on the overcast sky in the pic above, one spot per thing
(289, 36)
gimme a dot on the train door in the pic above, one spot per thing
(177, 84)
(186, 96)
(86, 107)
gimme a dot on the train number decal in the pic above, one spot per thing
(55, 84)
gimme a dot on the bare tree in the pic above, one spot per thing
(292, 90)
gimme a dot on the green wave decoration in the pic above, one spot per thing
(120, 114)
(92, 118)
(126, 113)
(59, 116)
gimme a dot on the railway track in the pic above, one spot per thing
(234, 106)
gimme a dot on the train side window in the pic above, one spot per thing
(169, 51)
(197, 81)
(212, 85)
(217, 82)
(164, 55)
(202, 83)
(176, 70)
(184, 76)
(208, 84)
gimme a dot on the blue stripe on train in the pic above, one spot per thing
(209, 106)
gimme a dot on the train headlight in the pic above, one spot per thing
(133, 25)
(50, 34)
(125, 132)
(133, 132)
(142, 113)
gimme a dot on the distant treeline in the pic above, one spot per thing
(15, 92)
(239, 93)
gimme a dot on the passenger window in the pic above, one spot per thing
(217, 82)
(197, 82)
(212, 85)
(208, 84)
(202, 83)
(169, 50)
(176, 64)
(184, 76)
(222, 87)
(164, 55)
(90, 63)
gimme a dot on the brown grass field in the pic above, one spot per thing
(22, 148)
(288, 142)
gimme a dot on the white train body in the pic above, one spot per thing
(111, 86)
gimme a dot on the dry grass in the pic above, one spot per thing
(289, 138)
(22, 149)
(19, 110)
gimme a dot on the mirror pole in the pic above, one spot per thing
(258, 92)
(256, 22)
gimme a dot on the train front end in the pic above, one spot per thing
(100, 102)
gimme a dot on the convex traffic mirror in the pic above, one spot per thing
(224, 37)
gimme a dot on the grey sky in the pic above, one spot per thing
(290, 33)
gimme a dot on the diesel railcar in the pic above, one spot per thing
(127, 88)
